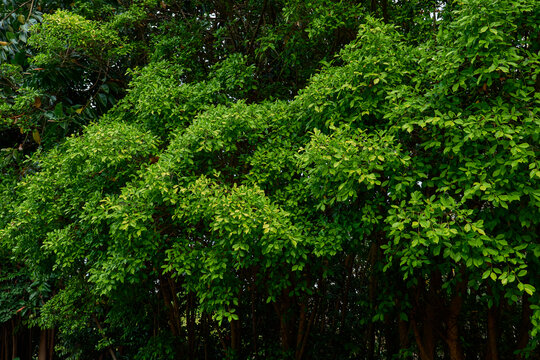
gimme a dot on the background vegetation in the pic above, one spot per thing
(269, 179)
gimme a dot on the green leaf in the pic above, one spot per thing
(529, 289)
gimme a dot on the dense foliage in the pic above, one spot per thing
(269, 179)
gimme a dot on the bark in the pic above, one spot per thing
(452, 326)
(304, 327)
(190, 315)
(525, 324)
(50, 343)
(492, 330)
(384, 5)
(349, 262)
(13, 340)
(5, 344)
(320, 315)
(428, 313)
(300, 354)
(235, 336)
(206, 331)
(172, 312)
(301, 327)
(175, 305)
(42, 354)
(372, 289)
(253, 319)
(426, 345)
(256, 32)
(286, 321)
(403, 328)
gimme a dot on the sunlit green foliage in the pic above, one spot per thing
(274, 180)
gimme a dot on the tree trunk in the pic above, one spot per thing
(452, 326)
(492, 330)
(172, 311)
(428, 312)
(190, 317)
(403, 328)
(384, 5)
(286, 321)
(372, 290)
(50, 343)
(492, 334)
(42, 354)
(425, 343)
(5, 344)
(349, 263)
(13, 340)
(235, 336)
(525, 324)
(300, 353)
(254, 332)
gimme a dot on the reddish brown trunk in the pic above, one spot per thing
(301, 327)
(492, 351)
(13, 340)
(455, 349)
(50, 339)
(174, 305)
(235, 336)
(452, 326)
(372, 289)
(320, 322)
(428, 336)
(29, 350)
(428, 313)
(425, 343)
(5, 344)
(300, 355)
(304, 330)
(349, 262)
(190, 315)
(525, 324)
(286, 321)
(42, 354)
(384, 5)
(253, 320)
(172, 312)
(403, 328)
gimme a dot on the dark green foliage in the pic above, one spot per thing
(270, 179)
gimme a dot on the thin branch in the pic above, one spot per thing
(31, 9)
(259, 23)
(15, 10)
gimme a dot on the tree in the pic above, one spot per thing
(271, 180)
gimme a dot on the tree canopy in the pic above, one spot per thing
(269, 179)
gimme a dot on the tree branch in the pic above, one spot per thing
(15, 10)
